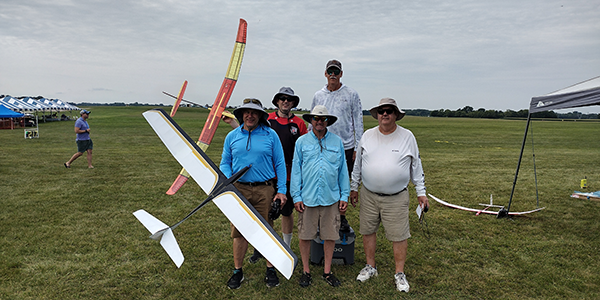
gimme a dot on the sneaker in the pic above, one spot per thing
(401, 283)
(236, 279)
(331, 279)
(305, 280)
(367, 272)
(344, 226)
(271, 278)
(256, 256)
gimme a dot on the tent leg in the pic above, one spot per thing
(504, 213)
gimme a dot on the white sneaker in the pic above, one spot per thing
(401, 282)
(367, 272)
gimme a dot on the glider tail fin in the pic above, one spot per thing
(160, 230)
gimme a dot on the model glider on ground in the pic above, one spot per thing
(221, 191)
(212, 122)
(484, 210)
(224, 113)
(589, 196)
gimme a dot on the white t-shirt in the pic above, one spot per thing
(386, 163)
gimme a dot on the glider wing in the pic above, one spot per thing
(201, 168)
(179, 98)
(482, 211)
(212, 122)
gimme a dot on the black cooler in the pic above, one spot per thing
(343, 252)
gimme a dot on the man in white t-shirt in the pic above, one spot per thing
(387, 159)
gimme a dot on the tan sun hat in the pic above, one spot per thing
(320, 111)
(388, 102)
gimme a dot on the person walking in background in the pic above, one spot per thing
(320, 188)
(386, 160)
(83, 140)
(344, 103)
(254, 144)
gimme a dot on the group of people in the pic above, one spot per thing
(323, 166)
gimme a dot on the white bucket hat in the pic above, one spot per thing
(320, 111)
(388, 102)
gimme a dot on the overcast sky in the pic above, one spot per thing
(425, 54)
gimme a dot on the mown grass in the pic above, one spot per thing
(70, 234)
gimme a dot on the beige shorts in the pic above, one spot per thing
(325, 219)
(391, 211)
(260, 197)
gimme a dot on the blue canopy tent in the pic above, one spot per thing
(6, 113)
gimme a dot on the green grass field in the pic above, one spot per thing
(70, 233)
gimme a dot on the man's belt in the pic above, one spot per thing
(387, 195)
(258, 183)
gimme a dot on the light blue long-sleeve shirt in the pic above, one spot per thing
(344, 103)
(319, 171)
(260, 148)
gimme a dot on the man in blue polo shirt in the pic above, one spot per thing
(254, 144)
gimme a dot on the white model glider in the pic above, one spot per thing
(484, 210)
(221, 191)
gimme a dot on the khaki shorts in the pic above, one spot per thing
(325, 219)
(391, 211)
(260, 197)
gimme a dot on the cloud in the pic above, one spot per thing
(430, 54)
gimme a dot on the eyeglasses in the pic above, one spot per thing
(255, 101)
(317, 119)
(389, 111)
(288, 99)
(333, 71)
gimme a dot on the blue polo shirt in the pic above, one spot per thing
(259, 148)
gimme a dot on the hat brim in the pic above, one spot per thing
(399, 113)
(239, 115)
(331, 119)
(296, 99)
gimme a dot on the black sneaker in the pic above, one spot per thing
(305, 280)
(236, 279)
(271, 278)
(344, 226)
(331, 279)
(256, 256)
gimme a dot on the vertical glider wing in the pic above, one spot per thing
(221, 191)
(212, 122)
(179, 98)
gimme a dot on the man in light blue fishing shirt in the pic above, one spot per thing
(320, 188)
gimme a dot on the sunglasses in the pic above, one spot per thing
(255, 101)
(389, 111)
(317, 119)
(288, 99)
(333, 71)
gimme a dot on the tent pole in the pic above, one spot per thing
(504, 213)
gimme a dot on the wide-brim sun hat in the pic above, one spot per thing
(251, 103)
(388, 102)
(320, 111)
(286, 90)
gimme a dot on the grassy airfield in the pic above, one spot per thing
(70, 233)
